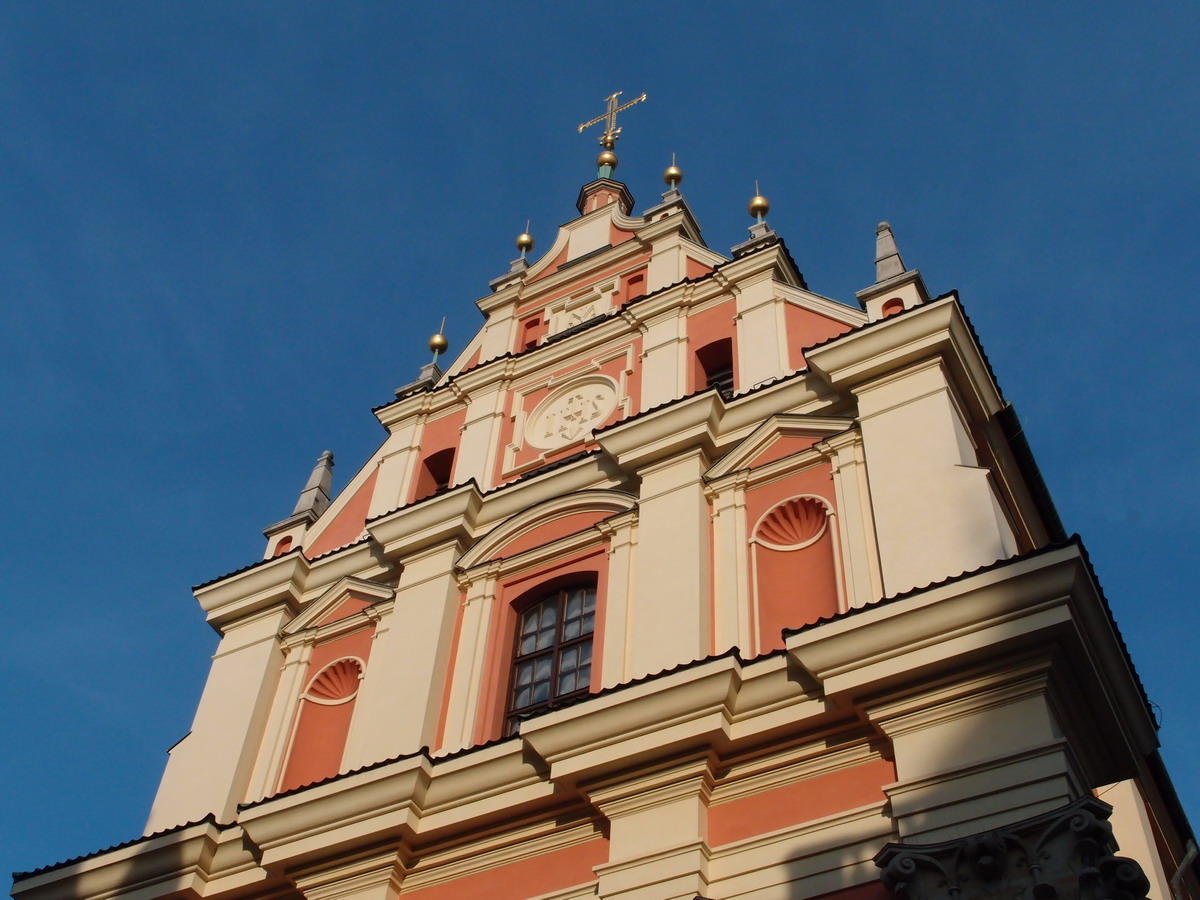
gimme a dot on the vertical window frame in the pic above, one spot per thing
(560, 594)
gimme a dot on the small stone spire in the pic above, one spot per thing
(314, 498)
(888, 263)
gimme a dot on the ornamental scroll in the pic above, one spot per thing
(1066, 854)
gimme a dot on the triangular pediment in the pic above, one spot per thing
(778, 436)
(346, 597)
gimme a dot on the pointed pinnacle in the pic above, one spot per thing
(888, 263)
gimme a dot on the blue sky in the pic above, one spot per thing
(227, 230)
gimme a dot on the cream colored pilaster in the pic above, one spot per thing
(731, 596)
(975, 755)
(476, 450)
(670, 616)
(668, 264)
(278, 732)
(210, 769)
(856, 527)
(499, 334)
(467, 677)
(664, 352)
(761, 332)
(400, 698)
(658, 833)
(395, 466)
(935, 512)
(374, 877)
(1135, 833)
(622, 541)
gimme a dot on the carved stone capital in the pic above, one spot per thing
(1066, 854)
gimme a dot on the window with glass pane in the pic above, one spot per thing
(552, 660)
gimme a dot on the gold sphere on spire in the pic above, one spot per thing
(607, 158)
(524, 242)
(673, 175)
(438, 343)
(759, 206)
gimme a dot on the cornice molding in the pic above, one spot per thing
(1038, 610)
(882, 350)
(277, 581)
(200, 859)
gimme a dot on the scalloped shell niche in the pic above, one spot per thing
(793, 524)
(337, 682)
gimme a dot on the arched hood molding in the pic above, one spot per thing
(602, 501)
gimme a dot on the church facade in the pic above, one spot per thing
(680, 581)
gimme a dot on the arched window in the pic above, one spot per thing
(552, 659)
(435, 473)
(714, 365)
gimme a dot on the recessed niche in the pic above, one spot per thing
(793, 524)
(337, 682)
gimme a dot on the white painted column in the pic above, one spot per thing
(658, 833)
(732, 625)
(499, 334)
(669, 615)
(467, 677)
(935, 510)
(209, 770)
(622, 545)
(277, 734)
(480, 437)
(1134, 833)
(400, 699)
(668, 264)
(761, 332)
(664, 357)
(397, 459)
(856, 526)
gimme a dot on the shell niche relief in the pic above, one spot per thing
(571, 413)
(323, 722)
(793, 566)
(337, 682)
(793, 524)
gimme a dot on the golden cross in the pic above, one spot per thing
(611, 131)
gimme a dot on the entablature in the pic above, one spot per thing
(1044, 605)
(884, 348)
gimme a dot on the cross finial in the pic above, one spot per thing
(611, 132)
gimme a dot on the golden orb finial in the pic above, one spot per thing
(606, 158)
(438, 342)
(759, 205)
(673, 175)
(525, 240)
